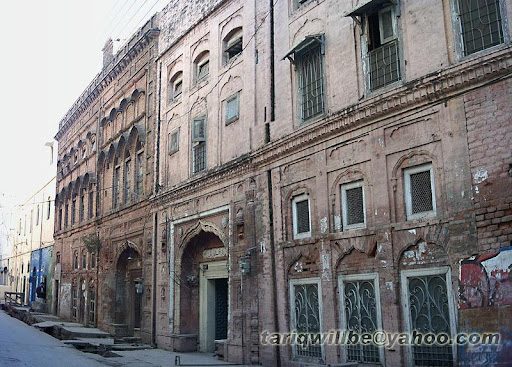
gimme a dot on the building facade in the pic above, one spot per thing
(29, 258)
(308, 166)
(105, 175)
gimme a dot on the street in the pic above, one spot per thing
(24, 345)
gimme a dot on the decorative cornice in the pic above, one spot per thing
(426, 90)
(142, 39)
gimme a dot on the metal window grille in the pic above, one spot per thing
(127, 180)
(199, 156)
(232, 109)
(92, 306)
(384, 65)
(354, 206)
(361, 316)
(481, 24)
(429, 312)
(302, 216)
(307, 319)
(311, 83)
(421, 192)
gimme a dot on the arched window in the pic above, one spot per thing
(127, 177)
(233, 44)
(84, 259)
(202, 66)
(75, 260)
(139, 171)
(117, 181)
(175, 87)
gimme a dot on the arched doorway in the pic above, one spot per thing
(128, 302)
(204, 290)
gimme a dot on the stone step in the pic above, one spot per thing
(128, 340)
(74, 332)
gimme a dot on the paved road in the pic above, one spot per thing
(24, 345)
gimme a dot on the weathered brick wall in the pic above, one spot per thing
(488, 112)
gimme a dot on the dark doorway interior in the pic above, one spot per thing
(221, 309)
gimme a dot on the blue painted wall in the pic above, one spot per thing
(41, 260)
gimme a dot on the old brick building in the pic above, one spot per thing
(104, 177)
(308, 166)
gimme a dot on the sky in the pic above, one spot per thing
(51, 51)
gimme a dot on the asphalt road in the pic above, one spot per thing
(24, 345)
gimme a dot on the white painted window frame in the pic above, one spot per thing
(296, 199)
(344, 211)
(293, 322)
(407, 191)
(341, 286)
(235, 97)
(393, 24)
(404, 275)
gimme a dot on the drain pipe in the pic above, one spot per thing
(153, 288)
(273, 261)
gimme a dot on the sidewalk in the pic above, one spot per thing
(102, 348)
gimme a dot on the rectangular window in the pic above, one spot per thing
(73, 210)
(203, 69)
(306, 318)
(90, 204)
(127, 180)
(353, 205)
(57, 258)
(174, 142)
(420, 199)
(198, 145)
(361, 313)
(93, 260)
(84, 260)
(31, 220)
(37, 217)
(66, 215)
(92, 306)
(117, 179)
(428, 307)
(74, 303)
(139, 175)
(382, 47)
(177, 89)
(481, 24)
(60, 218)
(82, 207)
(232, 108)
(49, 209)
(234, 45)
(301, 217)
(309, 64)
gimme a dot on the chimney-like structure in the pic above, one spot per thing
(108, 52)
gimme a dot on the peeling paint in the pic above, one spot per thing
(325, 266)
(412, 231)
(480, 176)
(337, 222)
(389, 285)
(263, 247)
(462, 193)
(323, 225)
(298, 267)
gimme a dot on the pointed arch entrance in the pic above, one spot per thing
(204, 288)
(128, 302)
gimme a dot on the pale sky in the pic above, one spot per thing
(51, 51)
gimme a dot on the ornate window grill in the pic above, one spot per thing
(306, 319)
(480, 24)
(360, 308)
(429, 313)
(311, 84)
